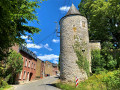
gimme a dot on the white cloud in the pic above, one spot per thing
(35, 52)
(35, 46)
(28, 41)
(24, 37)
(64, 8)
(29, 45)
(49, 57)
(55, 61)
(47, 47)
(55, 40)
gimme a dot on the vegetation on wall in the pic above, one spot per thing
(82, 62)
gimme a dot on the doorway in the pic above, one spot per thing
(30, 76)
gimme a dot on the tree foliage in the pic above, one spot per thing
(98, 62)
(14, 65)
(103, 18)
(14, 16)
(105, 59)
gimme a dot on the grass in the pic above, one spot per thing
(95, 82)
(8, 87)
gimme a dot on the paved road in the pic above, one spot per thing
(43, 84)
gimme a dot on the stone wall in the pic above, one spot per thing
(94, 45)
(71, 27)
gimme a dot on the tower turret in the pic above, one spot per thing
(73, 25)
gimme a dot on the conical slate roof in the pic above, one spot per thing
(73, 11)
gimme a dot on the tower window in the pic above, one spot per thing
(83, 50)
(83, 24)
(74, 28)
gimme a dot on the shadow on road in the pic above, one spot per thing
(51, 85)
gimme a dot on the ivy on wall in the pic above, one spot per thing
(82, 62)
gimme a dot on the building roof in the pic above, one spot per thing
(26, 50)
(73, 11)
(54, 65)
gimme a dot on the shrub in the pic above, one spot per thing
(3, 83)
(112, 80)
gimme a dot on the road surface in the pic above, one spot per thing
(42, 84)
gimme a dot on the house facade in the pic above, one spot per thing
(40, 69)
(48, 68)
(55, 69)
(28, 72)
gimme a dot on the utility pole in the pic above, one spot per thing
(57, 29)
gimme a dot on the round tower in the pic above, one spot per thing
(71, 26)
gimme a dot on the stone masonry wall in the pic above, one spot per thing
(95, 45)
(71, 27)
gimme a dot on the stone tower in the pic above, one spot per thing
(73, 25)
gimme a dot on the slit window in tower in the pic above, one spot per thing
(83, 24)
(83, 50)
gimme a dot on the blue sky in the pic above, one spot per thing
(46, 44)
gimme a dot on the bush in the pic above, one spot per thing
(3, 83)
(112, 81)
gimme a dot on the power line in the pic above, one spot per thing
(46, 37)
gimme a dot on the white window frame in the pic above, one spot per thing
(26, 63)
(20, 75)
(32, 65)
(29, 64)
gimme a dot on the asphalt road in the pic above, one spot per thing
(42, 84)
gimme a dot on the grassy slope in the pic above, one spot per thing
(103, 81)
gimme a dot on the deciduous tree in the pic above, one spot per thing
(14, 16)
(103, 18)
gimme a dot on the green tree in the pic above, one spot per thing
(103, 18)
(14, 16)
(98, 62)
(107, 53)
(14, 66)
